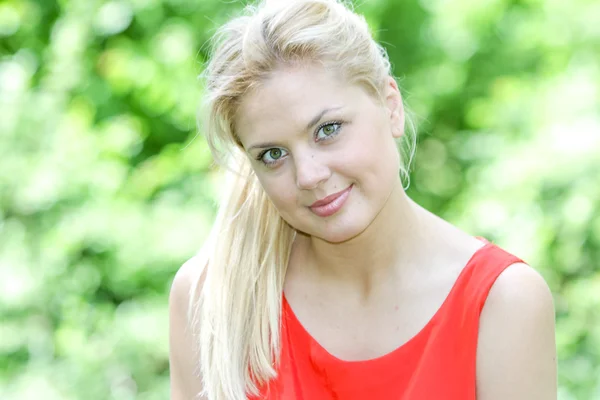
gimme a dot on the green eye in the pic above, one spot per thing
(328, 130)
(275, 154)
(272, 156)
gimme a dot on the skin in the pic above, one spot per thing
(185, 382)
(382, 265)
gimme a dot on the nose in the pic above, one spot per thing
(310, 170)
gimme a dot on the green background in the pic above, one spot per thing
(106, 186)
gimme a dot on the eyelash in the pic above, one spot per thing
(326, 124)
(336, 122)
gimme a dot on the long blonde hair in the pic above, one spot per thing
(238, 308)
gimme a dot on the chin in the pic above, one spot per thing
(337, 238)
(341, 232)
(338, 228)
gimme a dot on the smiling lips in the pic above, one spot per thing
(330, 204)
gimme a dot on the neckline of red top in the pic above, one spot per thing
(422, 334)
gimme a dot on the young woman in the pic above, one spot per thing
(321, 278)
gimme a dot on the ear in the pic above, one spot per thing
(393, 102)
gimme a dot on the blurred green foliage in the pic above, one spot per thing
(106, 188)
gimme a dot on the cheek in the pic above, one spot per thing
(372, 152)
(280, 190)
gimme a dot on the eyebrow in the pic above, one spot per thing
(310, 124)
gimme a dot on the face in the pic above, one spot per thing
(322, 149)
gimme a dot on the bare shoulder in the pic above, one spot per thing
(183, 357)
(187, 280)
(516, 351)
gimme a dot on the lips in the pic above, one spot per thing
(331, 204)
(328, 199)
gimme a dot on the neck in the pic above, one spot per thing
(385, 250)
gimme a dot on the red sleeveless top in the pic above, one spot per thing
(437, 363)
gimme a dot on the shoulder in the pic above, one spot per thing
(516, 351)
(520, 284)
(183, 359)
(185, 291)
(187, 281)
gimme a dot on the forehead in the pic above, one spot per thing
(291, 97)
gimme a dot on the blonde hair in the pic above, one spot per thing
(246, 256)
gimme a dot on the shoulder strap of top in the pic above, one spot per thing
(481, 273)
(459, 322)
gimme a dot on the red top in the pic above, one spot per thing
(436, 363)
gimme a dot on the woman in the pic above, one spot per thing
(321, 279)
